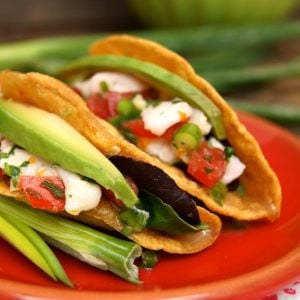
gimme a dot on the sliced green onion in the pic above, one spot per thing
(127, 109)
(187, 137)
(30, 244)
(87, 244)
(104, 88)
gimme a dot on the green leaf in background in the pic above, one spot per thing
(46, 54)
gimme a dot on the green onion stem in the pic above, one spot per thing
(227, 79)
(285, 114)
(187, 137)
(48, 53)
(91, 246)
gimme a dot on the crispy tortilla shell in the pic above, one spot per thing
(54, 96)
(263, 191)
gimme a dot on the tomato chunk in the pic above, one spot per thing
(99, 106)
(104, 105)
(207, 164)
(137, 128)
(44, 192)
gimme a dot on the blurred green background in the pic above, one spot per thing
(248, 49)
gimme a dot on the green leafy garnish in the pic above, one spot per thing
(228, 151)
(13, 172)
(163, 217)
(218, 192)
(149, 259)
(53, 188)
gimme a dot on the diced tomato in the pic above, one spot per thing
(40, 196)
(99, 106)
(207, 164)
(113, 99)
(169, 133)
(104, 105)
(137, 128)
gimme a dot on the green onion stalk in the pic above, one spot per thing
(89, 245)
(47, 54)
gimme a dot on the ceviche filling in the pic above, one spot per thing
(46, 186)
(171, 129)
(50, 187)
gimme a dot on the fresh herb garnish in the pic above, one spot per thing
(53, 188)
(87, 179)
(228, 151)
(128, 135)
(13, 172)
(240, 190)
(10, 152)
(24, 164)
(218, 192)
(34, 193)
(149, 259)
(104, 88)
(208, 170)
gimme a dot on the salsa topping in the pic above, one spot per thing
(171, 130)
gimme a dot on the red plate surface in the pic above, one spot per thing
(246, 263)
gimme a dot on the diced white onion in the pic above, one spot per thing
(215, 143)
(200, 119)
(159, 118)
(234, 170)
(116, 82)
(163, 150)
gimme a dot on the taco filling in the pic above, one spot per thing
(170, 129)
(50, 186)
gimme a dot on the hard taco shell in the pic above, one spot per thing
(53, 96)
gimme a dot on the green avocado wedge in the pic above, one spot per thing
(51, 138)
(159, 77)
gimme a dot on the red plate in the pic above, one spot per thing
(246, 263)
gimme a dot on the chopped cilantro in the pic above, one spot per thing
(149, 259)
(53, 188)
(228, 151)
(104, 88)
(218, 192)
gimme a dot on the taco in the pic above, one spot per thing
(155, 100)
(49, 159)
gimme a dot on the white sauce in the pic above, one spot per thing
(116, 82)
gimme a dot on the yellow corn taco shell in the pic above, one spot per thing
(263, 191)
(53, 96)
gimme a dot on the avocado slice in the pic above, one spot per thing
(51, 138)
(158, 76)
